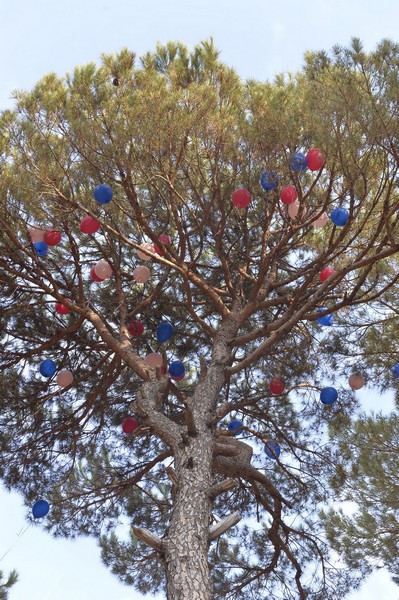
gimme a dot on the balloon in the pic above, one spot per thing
(298, 162)
(40, 509)
(327, 320)
(328, 395)
(61, 309)
(36, 234)
(154, 360)
(272, 449)
(102, 193)
(269, 180)
(94, 276)
(356, 381)
(135, 328)
(326, 273)
(241, 198)
(321, 220)
(315, 159)
(129, 425)
(235, 426)
(176, 370)
(52, 238)
(165, 239)
(141, 274)
(165, 331)
(103, 269)
(89, 225)
(142, 255)
(395, 370)
(339, 216)
(276, 386)
(288, 194)
(64, 378)
(41, 248)
(48, 368)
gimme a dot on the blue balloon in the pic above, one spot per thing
(272, 449)
(40, 509)
(102, 194)
(269, 180)
(165, 331)
(235, 426)
(395, 370)
(327, 320)
(328, 395)
(176, 369)
(298, 162)
(339, 216)
(41, 248)
(48, 368)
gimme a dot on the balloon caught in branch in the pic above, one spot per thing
(272, 449)
(141, 274)
(40, 509)
(320, 221)
(165, 239)
(135, 328)
(328, 395)
(165, 332)
(52, 237)
(241, 198)
(89, 225)
(94, 276)
(61, 309)
(176, 370)
(356, 381)
(288, 194)
(235, 426)
(326, 273)
(339, 216)
(276, 386)
(298, 162)
(41, 248)
(103, 269)
(102, 194)
(48, 368)
(395, 370)
(154, 360)
(129, 425)
(142, 255)
(269, 180)
(315, 159)
(326, 320)
(64, 378)
(36, 234)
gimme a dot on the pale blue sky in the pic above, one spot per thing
(259, 38)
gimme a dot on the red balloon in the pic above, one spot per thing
(315, 159)
(165, 239)
(52, 238)
(326, 273)
(129, 425)
(241, 198)
(276, 386)
(89, 225)
(136, 328)
(94, 276)
(288, 194)
(61, 309)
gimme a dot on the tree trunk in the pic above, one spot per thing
(187, 541)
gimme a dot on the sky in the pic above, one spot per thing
(259, 38)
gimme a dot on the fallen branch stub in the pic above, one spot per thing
(148, 538)
(222, 526)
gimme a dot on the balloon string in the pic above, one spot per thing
(19, 535)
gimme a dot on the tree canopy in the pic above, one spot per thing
(166, 280)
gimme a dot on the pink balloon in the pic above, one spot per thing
(154, 360)
(356, 381)
(64, 378)
(141, 274)
(321, 220)
(36, 234)
(144, 256)
(103, 269)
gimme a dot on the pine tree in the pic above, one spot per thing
(190, 317)
(5, 587)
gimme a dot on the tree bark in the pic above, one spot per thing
(187, 541)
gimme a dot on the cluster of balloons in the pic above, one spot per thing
(48, 368)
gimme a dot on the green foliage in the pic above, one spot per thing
(5, 587)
